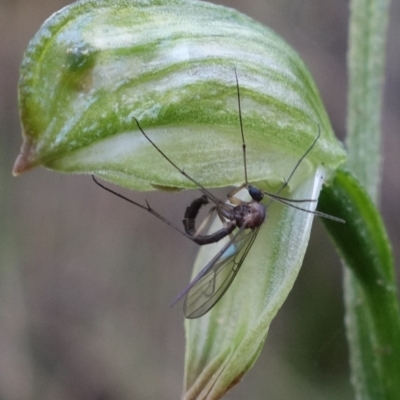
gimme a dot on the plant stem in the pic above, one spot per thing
(366, 61)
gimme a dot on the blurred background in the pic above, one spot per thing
(84, 296)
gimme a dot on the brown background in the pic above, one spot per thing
(85, 279)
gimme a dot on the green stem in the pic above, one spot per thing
(366, 60)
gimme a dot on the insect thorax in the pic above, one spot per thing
(251, 214)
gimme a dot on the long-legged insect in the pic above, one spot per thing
(241, 222)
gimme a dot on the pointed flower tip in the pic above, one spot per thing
(26, 158)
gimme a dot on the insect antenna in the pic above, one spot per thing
(288, 202)
(316, 213)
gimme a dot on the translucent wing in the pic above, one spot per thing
(215, 278)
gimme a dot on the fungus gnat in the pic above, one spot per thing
(241, 222)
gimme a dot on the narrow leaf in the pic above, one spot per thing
(375, 324)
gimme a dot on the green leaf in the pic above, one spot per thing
(375, 323)
(97, 65)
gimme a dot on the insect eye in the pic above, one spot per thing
(255, 193)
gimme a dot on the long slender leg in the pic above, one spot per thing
(188, 222)
(241, 130)
(275, 195)
(201, 187)
(146, 208)
(231, 195)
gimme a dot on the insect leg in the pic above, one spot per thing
(146, 208)
(297, 165)
(241, 130)
(201, 187)
(231, 195)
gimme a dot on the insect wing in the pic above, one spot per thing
(215, 278)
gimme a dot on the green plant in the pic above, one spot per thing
(97, 65)
(372, 310)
